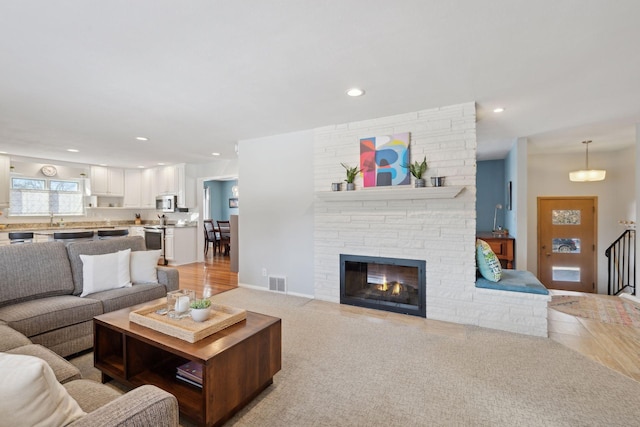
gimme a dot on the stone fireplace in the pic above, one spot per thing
(391, 284)
(434, 224)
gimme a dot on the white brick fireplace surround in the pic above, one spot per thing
(432, 224)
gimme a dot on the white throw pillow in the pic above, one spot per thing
(104, 272)
(143, 266)
(30, 395)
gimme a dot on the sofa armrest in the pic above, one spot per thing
(168, 276)
(146, 405)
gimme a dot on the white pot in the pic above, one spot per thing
(200, 314)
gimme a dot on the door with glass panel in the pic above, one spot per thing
(567, 243)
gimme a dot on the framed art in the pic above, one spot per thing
(233, 202)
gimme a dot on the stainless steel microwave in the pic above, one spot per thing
(166, 203)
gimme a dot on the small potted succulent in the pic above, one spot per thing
(418, 169)
(200, 309)
(352, 172)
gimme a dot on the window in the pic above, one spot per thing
(37, 197)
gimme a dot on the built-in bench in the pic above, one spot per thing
(514, 281)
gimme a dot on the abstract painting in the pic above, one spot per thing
(382, 159)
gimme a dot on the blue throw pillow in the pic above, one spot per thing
(488, 262)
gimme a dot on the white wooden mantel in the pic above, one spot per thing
(368, 194)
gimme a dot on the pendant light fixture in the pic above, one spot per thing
(587, 174)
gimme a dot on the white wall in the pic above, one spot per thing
(276, 210)
(549, 176)
(516, 218)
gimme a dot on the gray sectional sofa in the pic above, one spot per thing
(104, 406)
(41, 283)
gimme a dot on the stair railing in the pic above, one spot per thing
(622, 263)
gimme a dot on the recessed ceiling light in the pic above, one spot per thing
(103, 164)
(73, 150)
(215, 154)
(498, 110)
(354, 91)
(3, 152)
(141, 167)
(142, 138)
(161, 164)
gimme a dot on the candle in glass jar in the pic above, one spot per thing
(182, 304)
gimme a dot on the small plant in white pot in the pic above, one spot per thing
(418, 169)
(200, 309)
(352, 172)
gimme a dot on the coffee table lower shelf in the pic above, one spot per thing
(238, 362)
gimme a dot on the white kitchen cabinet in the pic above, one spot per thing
(148, 191)
(186, 187)
(180, 245)
(136, 230)
(132, 188)
(4, 239)
(5, 164)
(166, 180)
(169, 252)
(107, 181)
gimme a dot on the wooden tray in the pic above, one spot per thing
(187, 329)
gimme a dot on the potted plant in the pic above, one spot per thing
(200, 309)
(418, 169)
(352, 172)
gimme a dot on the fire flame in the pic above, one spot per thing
(384, 287)
(396, 289)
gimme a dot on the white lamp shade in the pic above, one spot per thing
(587, 175)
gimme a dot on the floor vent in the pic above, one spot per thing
(278, 284)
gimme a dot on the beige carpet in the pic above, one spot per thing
(607, 310)
(340, 368)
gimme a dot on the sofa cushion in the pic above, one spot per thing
(104, 272)
(46, 314)
(144, 266)
(68, 340)
(115, 299)
(91, 395)
(36, 270)
(30, 395)
(98, 247)
(63, 370)
(10, 338)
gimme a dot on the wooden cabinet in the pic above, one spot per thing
(5, 164)
(107, 181)
(502, 245)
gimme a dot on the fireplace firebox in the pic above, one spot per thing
(391, 284)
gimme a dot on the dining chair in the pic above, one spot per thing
(110, 234)
(211, 235)
(20, 237)
(225, 235)
(72, 236)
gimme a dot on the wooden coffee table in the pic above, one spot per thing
(238, 362)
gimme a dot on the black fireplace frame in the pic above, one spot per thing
(421, 265)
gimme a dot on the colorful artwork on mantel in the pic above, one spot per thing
(381, 160)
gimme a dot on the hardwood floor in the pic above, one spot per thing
(615, 346)
(213, 273)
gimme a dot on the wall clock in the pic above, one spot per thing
(49, 170)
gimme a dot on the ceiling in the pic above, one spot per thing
(195, 77)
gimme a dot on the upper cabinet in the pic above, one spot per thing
(107, 181)
(132, 188)
(148, 189)
(166, 180)
(5, 164)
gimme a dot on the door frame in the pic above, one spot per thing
(595, 232)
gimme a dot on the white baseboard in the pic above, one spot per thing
(262, 288)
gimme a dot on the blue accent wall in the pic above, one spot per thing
(490, 191)
(219, 195)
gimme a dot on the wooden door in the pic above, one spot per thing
(567, 243)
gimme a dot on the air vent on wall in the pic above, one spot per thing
(278, 284)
